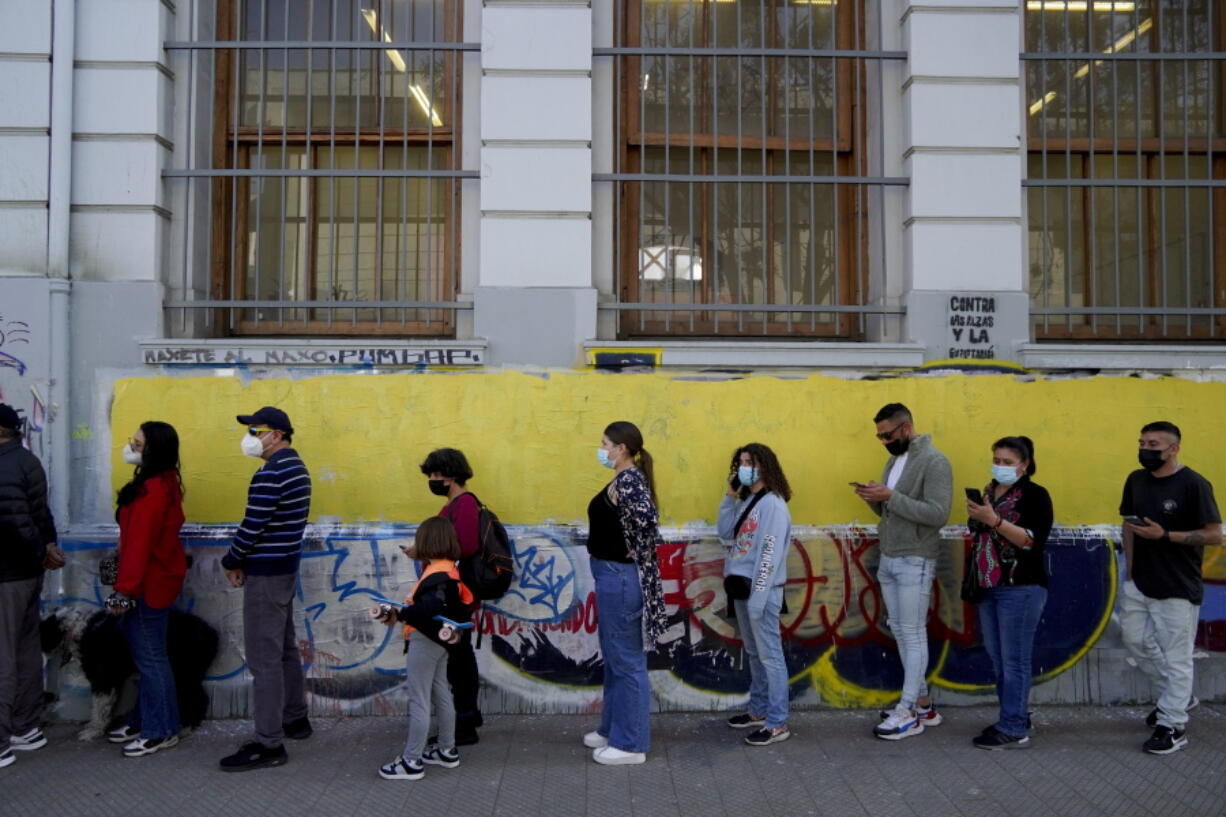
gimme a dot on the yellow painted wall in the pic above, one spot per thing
(532, 438)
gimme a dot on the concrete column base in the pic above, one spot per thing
(543, 326)
(968, 327)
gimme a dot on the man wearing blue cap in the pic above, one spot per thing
(27, 547)
(263, 559)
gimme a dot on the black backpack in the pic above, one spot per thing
(488, 572)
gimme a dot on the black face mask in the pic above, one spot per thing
(439, 488)
(1150, 459)
(898, 447)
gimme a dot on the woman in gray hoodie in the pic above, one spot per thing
(756, 527)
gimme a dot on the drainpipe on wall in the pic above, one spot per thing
(59, 207)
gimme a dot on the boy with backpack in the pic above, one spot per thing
(485, 568)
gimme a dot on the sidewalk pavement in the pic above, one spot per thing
(1085, 761)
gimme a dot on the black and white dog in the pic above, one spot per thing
(97, 643)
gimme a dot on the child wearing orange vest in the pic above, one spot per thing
(438, 592)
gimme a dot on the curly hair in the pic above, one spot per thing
(450, 462)
(769, 469)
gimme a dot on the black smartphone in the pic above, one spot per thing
(735, 483)
(974, 495)
(856, 484)
(1135, 520)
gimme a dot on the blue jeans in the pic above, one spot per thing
(768, 674)
(906, 587)
(625, 718)
(1008, 618)
(157, 706)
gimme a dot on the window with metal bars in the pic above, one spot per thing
(741, 182)
(1127, 161)
(333, 178)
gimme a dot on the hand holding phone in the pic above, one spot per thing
(974, 495)
(856, 484)
(1135, 520)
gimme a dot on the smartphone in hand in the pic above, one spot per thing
(1135, 520)
(856, 484)
(974, 495)
(735, 482)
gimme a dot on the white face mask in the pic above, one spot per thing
(252, 446)
(129, 456)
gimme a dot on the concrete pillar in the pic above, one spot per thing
(964, 151)
(536, 182)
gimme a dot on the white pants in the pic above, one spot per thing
(1160, 634)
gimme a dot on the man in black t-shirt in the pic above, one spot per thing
(1169, 516)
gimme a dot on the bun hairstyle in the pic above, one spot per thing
(626, 433)
(1022, 446)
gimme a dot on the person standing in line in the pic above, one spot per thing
(1170, 515)
(913, 500)
(756, 526)
(1010, 529)
(623, 535)
(28, 546)
(428, 641)
(152, 567)
(263, 560)
(448, 472)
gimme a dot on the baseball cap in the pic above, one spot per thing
(9, 418)
(270, 417)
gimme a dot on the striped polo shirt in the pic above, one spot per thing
(269, 542)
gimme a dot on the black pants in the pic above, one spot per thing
(465, 683)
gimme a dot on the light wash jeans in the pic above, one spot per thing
(625, 717)
(768, 673)
(1008, 619)
(906, 587)
(1160, 634)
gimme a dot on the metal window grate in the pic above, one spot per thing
(1126, 182)
(744, 179)
(320, 180)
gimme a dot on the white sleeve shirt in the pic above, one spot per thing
(896, 472)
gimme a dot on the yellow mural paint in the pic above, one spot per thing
(532, 437)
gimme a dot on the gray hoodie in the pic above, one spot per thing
(912, 518)
(760, 551)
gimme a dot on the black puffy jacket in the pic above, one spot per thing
(26, 526)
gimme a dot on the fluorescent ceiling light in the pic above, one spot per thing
(1116, 6)
(1117, 46)
(397, 60)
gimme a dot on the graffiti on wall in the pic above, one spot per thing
(540, 645)
(22, 395)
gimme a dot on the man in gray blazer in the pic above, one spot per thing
(913, 501)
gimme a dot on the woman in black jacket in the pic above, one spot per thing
(1010, 529)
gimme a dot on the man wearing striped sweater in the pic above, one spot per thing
(263, 560)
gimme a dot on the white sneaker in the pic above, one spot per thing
(7, 758)
(34, 739)
(124, 734)
(902, 723)
(595, 740)
(609, 756)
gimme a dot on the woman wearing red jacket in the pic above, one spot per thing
(152, 566)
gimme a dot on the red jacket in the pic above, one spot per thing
(152, 563)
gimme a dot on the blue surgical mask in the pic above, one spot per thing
(1004, 474)
(603, 456)
(747, 474)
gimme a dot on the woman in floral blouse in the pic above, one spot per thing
(623, 534)
(1010, 529)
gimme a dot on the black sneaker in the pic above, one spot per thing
(434, 756)
(401, 769)
(124, 734)
(1151, 720)
(745, 720)
(1165, 740)
(993, 739)
(7, 758)
(765, 737)
(254, 755)
(298, 729)
(147, 746)
(466, 737)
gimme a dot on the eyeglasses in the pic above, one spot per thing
(255, 432)
(885, 435)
